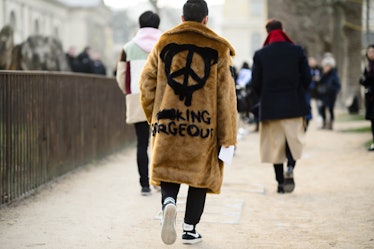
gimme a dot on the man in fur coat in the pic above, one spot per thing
(280, 77)
(188, 96)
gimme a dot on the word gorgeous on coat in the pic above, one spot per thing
(183, 123)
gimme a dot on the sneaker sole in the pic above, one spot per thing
(188, 241)
(168, 233)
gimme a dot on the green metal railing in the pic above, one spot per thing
(51, 123)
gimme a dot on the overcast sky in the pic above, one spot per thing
(121, 4)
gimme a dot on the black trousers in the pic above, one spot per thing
(323, 112)
(195, 200)
(372, 128)
(278, 168)
(142, 136)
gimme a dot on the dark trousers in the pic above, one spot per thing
(322, 111)
(278, 168)
(195, 200)
(142, 136)
(372, 128)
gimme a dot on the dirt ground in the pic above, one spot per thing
(99, 206)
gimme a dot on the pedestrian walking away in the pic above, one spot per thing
(315, 72)
(328, 88)
(280, 77)
(130, 63)
(367, 81)
(188, 96)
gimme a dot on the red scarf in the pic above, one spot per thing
(277, 36)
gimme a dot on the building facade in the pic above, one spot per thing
(367, 23)
(244, 26)
(75, 23)
(90, 23)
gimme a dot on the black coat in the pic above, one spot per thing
(368, 82)
(329, 87)
(280, 77)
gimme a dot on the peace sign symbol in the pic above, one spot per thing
(186, 89)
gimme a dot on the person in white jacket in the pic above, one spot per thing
(244, 76)
(131, 62)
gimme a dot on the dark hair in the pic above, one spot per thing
(149, 19)
(245, 65)
(273, 24)
(367, 49)
(195, 10)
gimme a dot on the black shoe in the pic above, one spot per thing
(289, 182)
(371, 148)
(190, 236)
(280, 188)
(146, 191)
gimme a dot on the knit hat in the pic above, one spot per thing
(328, 61)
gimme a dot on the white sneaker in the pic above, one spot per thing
(168, 233)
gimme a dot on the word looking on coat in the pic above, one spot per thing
(183, 123)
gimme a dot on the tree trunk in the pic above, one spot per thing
(322, 26)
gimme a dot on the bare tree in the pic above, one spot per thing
(326, 26)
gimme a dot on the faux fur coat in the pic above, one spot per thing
(188, 96)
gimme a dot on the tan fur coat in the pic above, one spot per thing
(188, 96)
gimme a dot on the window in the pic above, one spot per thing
(36, 27)
(13, 21)
(256, 7)
(256, 42)
(56, 32)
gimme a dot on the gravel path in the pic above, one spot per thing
(99, 206)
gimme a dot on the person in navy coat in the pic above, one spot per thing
(280, 77)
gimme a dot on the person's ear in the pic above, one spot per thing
(205, 20)
(182, 17)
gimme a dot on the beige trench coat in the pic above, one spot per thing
(273, 137)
